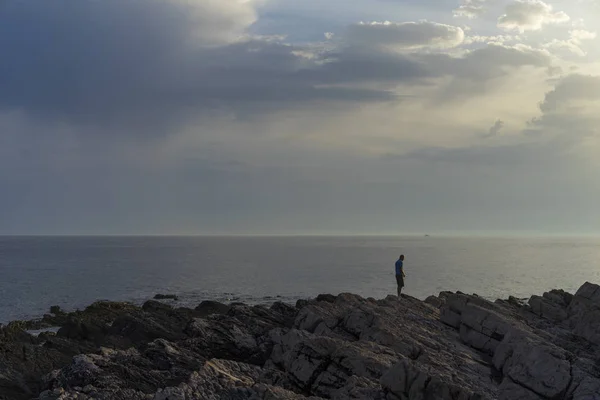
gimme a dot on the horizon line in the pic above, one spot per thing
(490, 234)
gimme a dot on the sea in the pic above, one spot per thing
(73, 272)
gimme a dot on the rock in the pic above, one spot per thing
(287, 312)
(546, 308)
(434, 301)
(106, 310)
(588, 326)
(583, 386)
(138, 329)
(56, 310)
(589, 291)
(587, 389)
(515, 301)
(409, 328)
(559, 297)
(301, 303)
(88, 329)
(360, 388)
(153, 306)
(81, 372)
(166, 297)
(406, 380)
(453, 346)
(483, 329)
(222, 379)
(321, 365)
(510, 390)
(541, 368)
(326, 297)
(450, 317)
(209, 307)
(584, 313)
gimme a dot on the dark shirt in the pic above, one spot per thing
(399, 267)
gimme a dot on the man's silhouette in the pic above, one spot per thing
(400, 274)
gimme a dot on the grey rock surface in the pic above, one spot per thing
(450, 347)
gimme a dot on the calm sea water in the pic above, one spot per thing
(37, 272)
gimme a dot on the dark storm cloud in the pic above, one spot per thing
(146, 66)
(83, 59)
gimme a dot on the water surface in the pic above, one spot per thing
(37, 272)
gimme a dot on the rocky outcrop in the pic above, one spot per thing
(552, 305)
(208, 307)
(450, 347)
(160, 296)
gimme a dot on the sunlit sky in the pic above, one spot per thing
(299, 116)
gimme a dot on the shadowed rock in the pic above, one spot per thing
(208, 307)
(450, 347)
(326, 297)
(166, 297)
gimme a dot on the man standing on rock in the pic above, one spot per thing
(400, 273)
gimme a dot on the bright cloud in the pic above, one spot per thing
(470, 9)
(405, 35)
(530, 15)
(575, 42)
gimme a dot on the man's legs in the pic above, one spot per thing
(400, 283)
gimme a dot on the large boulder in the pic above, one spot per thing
(323, 365)
(549, 309)
(406, 380)
(584, 312)
(540, 368)
(483, 329)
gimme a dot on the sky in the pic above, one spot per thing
(299, 116)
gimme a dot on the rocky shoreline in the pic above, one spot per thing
(452, 346)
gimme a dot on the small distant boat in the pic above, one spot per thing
(426, 235)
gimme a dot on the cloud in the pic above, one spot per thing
(87, 63)
(570, 110)
(490, 61)
(109, 60)
(574, 43)
(530, 15)
(470, 9)
(405, 35)
(495, 129)
(497, 39)
(480, 71)
(580, 34)
(569, 90)
(182, 116)
(514, 155)
(183, 61)
(570, 116)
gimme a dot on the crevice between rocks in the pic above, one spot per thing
(315, 375)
